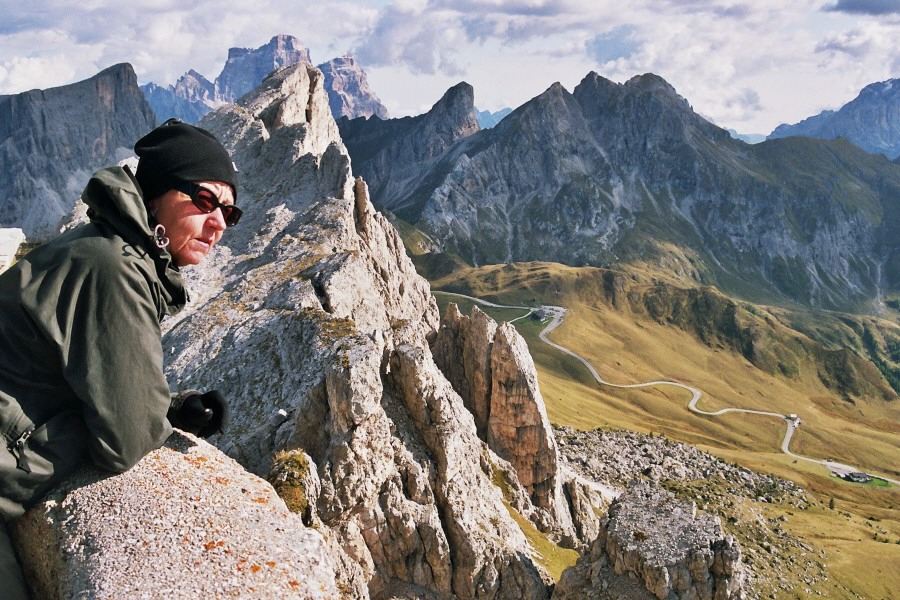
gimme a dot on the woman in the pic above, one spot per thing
(81, 366)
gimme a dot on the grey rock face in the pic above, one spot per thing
(871, 121)
(320, 340)
(618, 173)
(494, 374)
(395, 157)
(186, 522)
(52, 140)
(650, 536)
(349, 93)
(246, 67)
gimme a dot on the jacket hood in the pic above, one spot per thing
(115, 201)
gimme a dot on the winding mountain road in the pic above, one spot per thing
(557, 314)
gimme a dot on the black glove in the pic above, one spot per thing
(200, 414)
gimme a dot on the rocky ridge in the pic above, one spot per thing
(325, 327)
(614, 174)
(871, 121)
(490, 367)
(52, 140)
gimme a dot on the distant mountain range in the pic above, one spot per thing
(193, 95)
(609, 174)
(486, 119)
(871, 121)
(628, 173)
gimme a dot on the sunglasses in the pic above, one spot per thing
(207, 201)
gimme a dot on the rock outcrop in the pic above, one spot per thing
(320, 338)
(490, 367)
(871, 121)
(52, 140)
(186, 522)
(651, 537)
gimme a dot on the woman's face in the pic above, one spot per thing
(191, 233)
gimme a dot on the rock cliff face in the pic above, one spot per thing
(349, 93)
(396, 157)
(494, 374)
(320, 340)
(623, 173)
(247, 67)
(52, 140)
(186, 522)
(193, 95)
(871, 121)
(636, 543)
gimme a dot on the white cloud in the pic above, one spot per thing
(747, 64)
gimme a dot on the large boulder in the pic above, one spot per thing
(186, 522)
(652, 545)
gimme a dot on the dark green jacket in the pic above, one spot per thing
(81, 366)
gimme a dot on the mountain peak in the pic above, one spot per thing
(349, 93)
(461, 94)
(246, 67)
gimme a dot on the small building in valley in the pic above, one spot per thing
(857, 477)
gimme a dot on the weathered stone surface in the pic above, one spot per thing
(490, 367)
(52, 140)
(320, 339)
(186, 522)
(462, 350)
(650, 536)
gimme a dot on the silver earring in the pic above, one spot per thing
(159, 236)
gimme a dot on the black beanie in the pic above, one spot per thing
(176, 152)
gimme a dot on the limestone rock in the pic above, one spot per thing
(311, 319)
(186, 522)
(491, 368)
(247, 67)
(651, 537)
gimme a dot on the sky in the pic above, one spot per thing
(747, 65)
